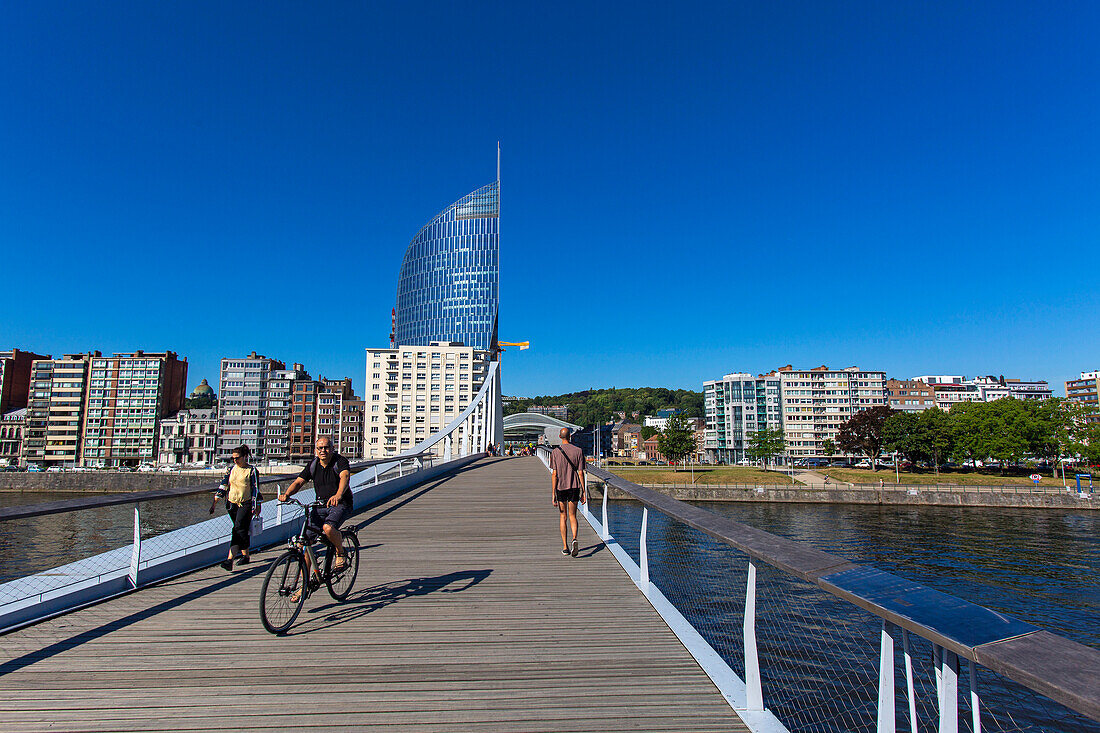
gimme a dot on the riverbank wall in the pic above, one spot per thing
(101, 482)
(974, 496)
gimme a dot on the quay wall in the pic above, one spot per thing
(101, 482)
(1018, 497)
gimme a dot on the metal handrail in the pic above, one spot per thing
(1054, 666)
(134, 497)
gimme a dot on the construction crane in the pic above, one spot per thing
(523, 345)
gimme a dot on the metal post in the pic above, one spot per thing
(975, 703)
(135, 557)
(887, 716)
(949, 691)
(754, 694)
(909, 681)
(447, 448)
(465, 442)
(606, 532)
(643, 556)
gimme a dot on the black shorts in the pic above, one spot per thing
(334, 515)
(565, 495)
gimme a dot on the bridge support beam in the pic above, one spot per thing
(887, 718)
(754, 693)
(135, 558)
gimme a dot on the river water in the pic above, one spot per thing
(1042, 566)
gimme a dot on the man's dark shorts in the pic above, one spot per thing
(334, 515)
(565, 495)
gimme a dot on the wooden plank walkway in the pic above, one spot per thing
(465, 617)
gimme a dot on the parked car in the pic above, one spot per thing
(54, 469)
(33, 467)
(146, 468)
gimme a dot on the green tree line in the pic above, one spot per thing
(598, 406)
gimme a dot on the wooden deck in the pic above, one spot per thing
(465, 617)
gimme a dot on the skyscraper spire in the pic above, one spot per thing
(498, 161)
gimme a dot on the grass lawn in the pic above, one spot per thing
(707, 475)
(867, 476)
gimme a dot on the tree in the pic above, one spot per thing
(200, 402)
(900, 435)
(766, 443)
(647, 432)
(678, 438)
(828, 447)
(863, 432)
(935, 435)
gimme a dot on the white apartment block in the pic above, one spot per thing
(414, 391)
(189, 436)
(818, 401)
(736, 407)
(254, 407)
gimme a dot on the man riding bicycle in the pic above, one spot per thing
(330, 473)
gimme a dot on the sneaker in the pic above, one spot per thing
(565, 551)
(226, 565)
(243, 560)
(576, 548)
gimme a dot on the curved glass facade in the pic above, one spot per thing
(448, 286)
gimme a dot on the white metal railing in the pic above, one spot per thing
(814, 600)
(151, 559)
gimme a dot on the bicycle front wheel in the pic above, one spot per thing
(283, 593)
(339, 582)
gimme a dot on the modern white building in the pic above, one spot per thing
(736, 407)
(414, 391)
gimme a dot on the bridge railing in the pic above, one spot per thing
(825, 644)
(168, 538)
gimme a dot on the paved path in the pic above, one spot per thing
(465, 617)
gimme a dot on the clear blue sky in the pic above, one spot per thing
(687, 190)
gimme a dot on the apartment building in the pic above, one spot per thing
(952, 389)
(15, 378)
(816, 402)
(735, 408)
(303, 418)
(11, 436)
(255, 407)
(414, 391)
(910, 395)
(1086, 391)
(340, 416)
(54, 426)
(189, 436)
(127, 396)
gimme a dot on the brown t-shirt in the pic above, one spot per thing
(567, 466)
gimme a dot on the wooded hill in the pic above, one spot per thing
(598, 406)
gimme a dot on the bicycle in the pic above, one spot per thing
(288, 584)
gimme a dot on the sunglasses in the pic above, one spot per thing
(324, 447)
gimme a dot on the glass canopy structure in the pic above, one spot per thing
(448, 289)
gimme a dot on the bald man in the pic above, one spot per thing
(567, 488)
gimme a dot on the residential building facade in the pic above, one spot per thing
(15, 378)
(303, 418)
(952, 389)
(816, 402)
(1086, 391)
(561, 412)
(54, 426)
(414, 391)
(188, 437)
(910, 395)
(127, 396)
(736, 407)
(11, 436)
(340, 416)
(255, 407)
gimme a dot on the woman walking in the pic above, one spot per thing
(241, 490)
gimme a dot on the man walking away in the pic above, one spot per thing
(567, 487)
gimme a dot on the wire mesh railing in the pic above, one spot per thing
(61, 555)
(834, 646)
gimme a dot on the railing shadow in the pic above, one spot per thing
(378, 597)
(83, 637)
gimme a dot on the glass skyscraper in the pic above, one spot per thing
(448, 289)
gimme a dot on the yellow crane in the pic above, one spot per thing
(523, 345)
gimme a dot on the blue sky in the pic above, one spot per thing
(687, 190)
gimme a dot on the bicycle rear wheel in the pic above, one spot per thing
(283, 593)
(339, 582)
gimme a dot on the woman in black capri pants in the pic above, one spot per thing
(241, 490)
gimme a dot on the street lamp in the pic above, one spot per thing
(897, 469)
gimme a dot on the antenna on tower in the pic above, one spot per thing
(498, 161)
